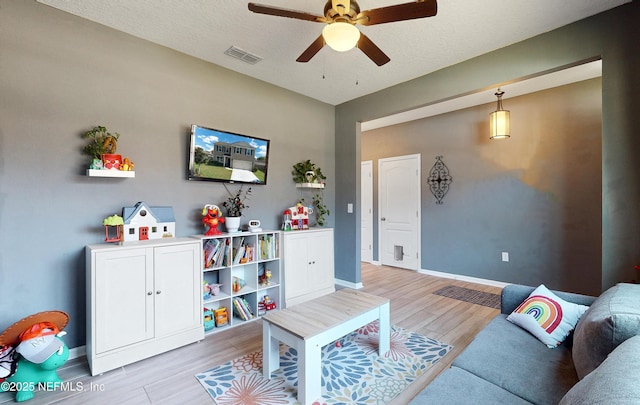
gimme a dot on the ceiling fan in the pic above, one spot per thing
(341, 16)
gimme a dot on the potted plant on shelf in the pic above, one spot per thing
(234, 205)
(307, 174)
(102, 148)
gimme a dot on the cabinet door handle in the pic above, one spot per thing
(158, 292)
(150, 293)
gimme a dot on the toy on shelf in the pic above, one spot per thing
(263, 279)
(221, 316)
(300, 216)
(209, 290)
(212, 217)
(237, 284)
(287, 225)
(206, 290)
(209, 322)
(126, 165)
(267, 304)
(113, 228)
(143, 222)
(39, 352)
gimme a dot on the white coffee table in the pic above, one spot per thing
(309, 326)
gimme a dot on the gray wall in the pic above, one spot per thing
(60, 76)
(611, 35)
(536, 195)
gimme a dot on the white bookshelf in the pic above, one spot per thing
(221, 263)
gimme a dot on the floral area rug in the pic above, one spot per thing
(352, 371)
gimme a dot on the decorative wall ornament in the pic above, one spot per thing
(439, 180)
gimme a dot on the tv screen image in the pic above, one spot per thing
(216, 155)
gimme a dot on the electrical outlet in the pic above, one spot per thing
(505, 256)
(349, 208)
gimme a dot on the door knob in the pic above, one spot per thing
(383, 219)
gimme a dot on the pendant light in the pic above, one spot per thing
(499, 124)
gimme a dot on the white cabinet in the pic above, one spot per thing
(236, 263)
(143, 298)
(308, 265)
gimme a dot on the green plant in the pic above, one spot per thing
(307, 172)
(101, 141)
(235, 202)
(320, 208)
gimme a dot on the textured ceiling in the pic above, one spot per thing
(461, 30)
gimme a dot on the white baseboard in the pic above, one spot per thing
(349, 284)
(459, 277)
(76, 352)
(374, 262)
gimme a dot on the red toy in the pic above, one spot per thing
(212, 217)
(266, 304)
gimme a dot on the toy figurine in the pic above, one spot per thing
(215, 288)
(212, 217)
(96, 164)
(263, 279)
(127, 165)
(41, 352)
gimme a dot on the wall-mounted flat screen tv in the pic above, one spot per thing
(216, 155)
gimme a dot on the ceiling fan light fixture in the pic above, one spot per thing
(341, 36)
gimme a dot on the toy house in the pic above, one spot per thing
(142, 222)
(299, 217)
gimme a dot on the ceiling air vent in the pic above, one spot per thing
(242, 55)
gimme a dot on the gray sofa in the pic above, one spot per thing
(504, 364)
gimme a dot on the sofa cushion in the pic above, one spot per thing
(513, 359)
(547, 316)
(456, 386)
(612, 318)
(615, 381)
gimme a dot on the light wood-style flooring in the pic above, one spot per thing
(169, 378)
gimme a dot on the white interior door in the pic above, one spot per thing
(399, 211)
(366, 211)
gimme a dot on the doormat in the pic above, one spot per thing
(470, 295)
(352, 371)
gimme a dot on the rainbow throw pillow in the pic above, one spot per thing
(547, 316)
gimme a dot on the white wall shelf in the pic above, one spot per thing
(111, 173)
(310, 185)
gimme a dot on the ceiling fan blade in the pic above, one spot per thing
(282, 12)
(399, 12)
(311, 51)
(372, 51)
